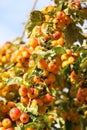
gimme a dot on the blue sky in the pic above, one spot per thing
(13, 13)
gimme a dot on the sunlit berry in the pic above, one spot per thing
(14, 113)
(32, 93)
(56, 35)
(24, 118)
(6, 122)
(22, 91)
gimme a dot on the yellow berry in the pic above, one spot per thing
(47, 18)
(25, 54)
(64, 57)
(69, 52)
(4, 60)
(1, 85)
(71, 60)
(85, 113)
(6, 122)
(65, 63)
(19, 65)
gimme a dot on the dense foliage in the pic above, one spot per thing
(43, 83)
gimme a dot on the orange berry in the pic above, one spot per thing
(80, 97)
(51, 78)
(10, 104)
(10, 128)
(22, 91)
(60, 41)
(6, 123)
(60, 15)
(25, 54)
(65, 63)
(56, 35)
(77, 3)
(33, 42)
(24, 118)
(84, 91)
(14, 113)
(2, 128)
(4, 59)
(19, 65)
(64, 57)
(24, 100)
(52, 67)
(48, 99)
(42, 64)
(36, 79)
(31, 49)
(69, 52)
(71, 60)
(0, 124)
(32, 93)
(1, 85)
(51, 118)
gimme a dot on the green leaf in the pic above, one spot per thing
(59, 50)
(46, 121)
(31, 125)
(14, 80)
(82, 14)
(83, 123)
(36, 125)
(21, 107)
(18, 127)
(66, 71)
(84, 63)
(76, 66)
(73, 34)
(28, 28)
(28, 75)
(60, 4)
(19, 71)
(40, 123)
(33, 109)
(36, 16)
(39, 53)
(80, 49)
(68, 125)
(56, 1)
